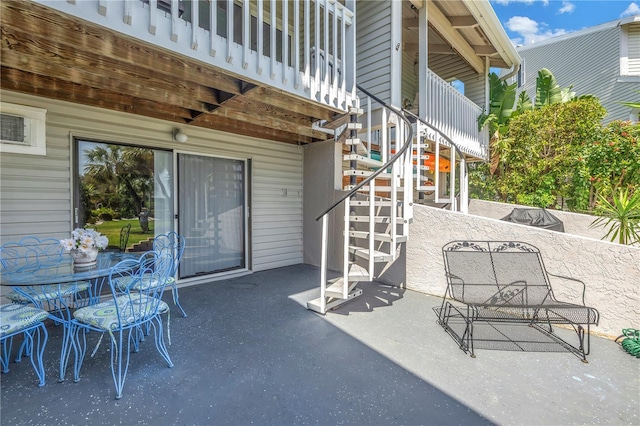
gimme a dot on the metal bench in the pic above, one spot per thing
(506, 282)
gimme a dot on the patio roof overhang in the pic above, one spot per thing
(51, 54)
(465, 32)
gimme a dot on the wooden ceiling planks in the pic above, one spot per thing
(50, 54)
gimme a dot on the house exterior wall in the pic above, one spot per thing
(591, 63)
(322, 175)
(36, 190)
(373, 47)
(475, 89)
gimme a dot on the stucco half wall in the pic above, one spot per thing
(574, 223)
(610, 271)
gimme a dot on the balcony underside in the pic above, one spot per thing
(51, 54)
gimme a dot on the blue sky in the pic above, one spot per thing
(529, 21)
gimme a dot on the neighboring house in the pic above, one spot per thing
(254, 128)
(603, 61)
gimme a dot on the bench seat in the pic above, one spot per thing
(506, 282)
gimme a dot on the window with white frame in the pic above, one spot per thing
(22, 129)
(630, 50)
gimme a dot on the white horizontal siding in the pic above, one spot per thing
(36, 190)
(474, 89)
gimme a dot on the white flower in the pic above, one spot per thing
(84, 240)
(68, 244)
(102, 242)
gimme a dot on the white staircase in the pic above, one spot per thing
(384, 166)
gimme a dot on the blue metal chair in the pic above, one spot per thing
(172, 244)
(32, 252)
(18, 319)
(136, 288)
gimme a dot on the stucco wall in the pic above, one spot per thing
(610, 271)
(574, 223)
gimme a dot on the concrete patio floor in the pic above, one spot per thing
(249, 353)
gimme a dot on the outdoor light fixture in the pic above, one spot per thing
(180, 136)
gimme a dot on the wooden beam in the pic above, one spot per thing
(442, 49)
(270, 122)
(442, 25)
(39, 48)
(463, 21)
(290, 103)
(20, 81)
(47, 87)
(33, 19)
(141, 88)
(226, 124)
(410, 23)
(485, 50)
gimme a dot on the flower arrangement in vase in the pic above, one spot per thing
(84, 245)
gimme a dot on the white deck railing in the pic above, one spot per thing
(305, 47)
(456, 116)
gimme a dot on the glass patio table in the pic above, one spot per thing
(46, 285)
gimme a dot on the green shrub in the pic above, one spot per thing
(104, 213)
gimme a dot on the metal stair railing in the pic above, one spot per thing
(397, 168)
(464, 167)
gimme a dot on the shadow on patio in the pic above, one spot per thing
(250, 353)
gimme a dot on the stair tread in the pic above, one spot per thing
(379, 188)
(377, 219)
(366, 173)
(363, 159)
(377, 203)
(364, 252)
(379, 236)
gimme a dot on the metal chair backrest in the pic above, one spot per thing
(173, 244)
(496, 273)
(137, 286)
(124, 236)
(30, 252)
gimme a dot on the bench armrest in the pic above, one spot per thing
(584, 287)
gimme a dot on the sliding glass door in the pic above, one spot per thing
(211, 214)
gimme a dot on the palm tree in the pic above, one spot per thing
(119, 168)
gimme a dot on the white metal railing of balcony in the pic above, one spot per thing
(456, 116)
(304, 47)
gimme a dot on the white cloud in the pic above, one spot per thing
(567, 7)
(632, 9)
(530, 31)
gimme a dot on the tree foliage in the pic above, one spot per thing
(555, 148)
(542, 149)
(120, 177)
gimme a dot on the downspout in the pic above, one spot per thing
(511, 73)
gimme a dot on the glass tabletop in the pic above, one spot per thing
(63, 271)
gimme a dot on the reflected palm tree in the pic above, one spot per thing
(122, 169)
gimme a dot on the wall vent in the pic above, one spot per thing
(22, 129)
(14, 129)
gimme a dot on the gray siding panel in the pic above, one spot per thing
(590, 62)
(474, 89)
(373, 47)
(35, 191)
